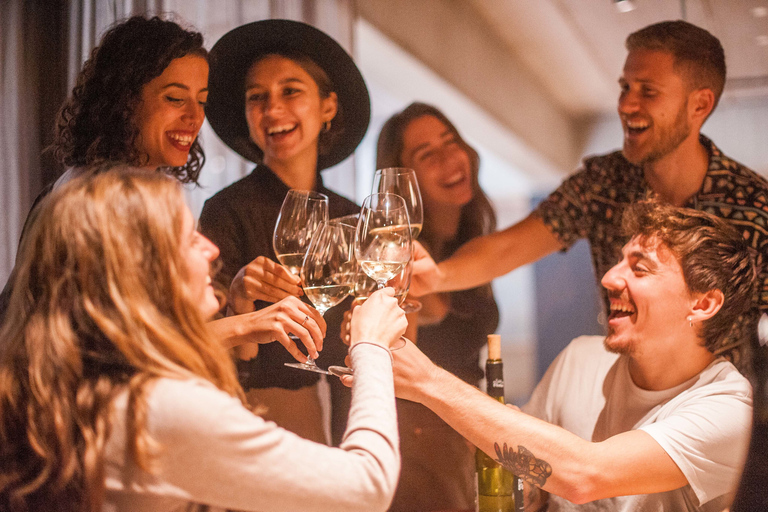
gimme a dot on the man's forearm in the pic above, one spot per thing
(485, 258)
(546, 455)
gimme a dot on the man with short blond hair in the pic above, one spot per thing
(672, 80)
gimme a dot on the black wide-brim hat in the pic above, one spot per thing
(232, 56)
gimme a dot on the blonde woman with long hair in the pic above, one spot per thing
(115, 396)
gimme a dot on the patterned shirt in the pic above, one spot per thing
(590, 203)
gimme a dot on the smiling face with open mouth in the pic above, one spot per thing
(284, 109)
(649, 299)
(442, 165)
(171, 111)
(653, 106)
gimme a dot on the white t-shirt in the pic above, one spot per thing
(703, 424)
(216, 452)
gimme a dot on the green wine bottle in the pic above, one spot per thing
(496, 487)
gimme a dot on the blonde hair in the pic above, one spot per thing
(100, 305)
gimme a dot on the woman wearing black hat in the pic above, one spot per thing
(287, 97)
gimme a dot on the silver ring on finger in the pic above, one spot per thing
(306, 317)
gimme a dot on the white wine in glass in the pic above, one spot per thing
(402, 181)
(301, 214)
(383, 237)
(401, 283)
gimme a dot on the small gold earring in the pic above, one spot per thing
(690, 321)
(327, 127)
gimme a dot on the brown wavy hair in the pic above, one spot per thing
(713, 256)
(477, 217)
(100, 306)
(698, 54)
(97, 123)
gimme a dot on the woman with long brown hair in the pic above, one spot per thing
(438, 469)
(114, 394)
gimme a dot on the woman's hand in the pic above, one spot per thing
(378, 320)
(274, 323)
(262, 279)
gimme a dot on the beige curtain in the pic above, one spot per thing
(14, 182)
(43, 44)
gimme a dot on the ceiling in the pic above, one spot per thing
(575, 48)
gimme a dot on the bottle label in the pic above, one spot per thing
(494, 378)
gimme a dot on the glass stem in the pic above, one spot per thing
(311, 361)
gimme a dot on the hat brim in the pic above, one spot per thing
(231, 57)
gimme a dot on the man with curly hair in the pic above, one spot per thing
(647, 418)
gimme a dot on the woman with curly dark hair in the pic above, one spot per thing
(139, 100)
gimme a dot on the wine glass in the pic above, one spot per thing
(347, 220)
(382, 217)
(328, 272)
(402, 182)
(383, 237)
(301, 214)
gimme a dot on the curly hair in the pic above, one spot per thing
(97, 123)
(712, 255)
(101, 306)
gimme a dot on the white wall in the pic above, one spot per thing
(739, 127)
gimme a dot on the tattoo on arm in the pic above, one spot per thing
(523, 464)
